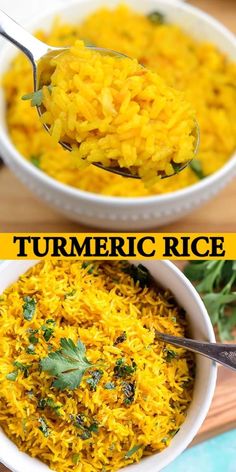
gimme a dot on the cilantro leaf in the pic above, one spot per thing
(132, 451)
(93, 381)
(43, 427)
(48, 329)
(169, 354)
(67, 365)
(44, 403)
(12, 376)
(156, 17)
(36, 160)
(123, 370)
(35, 97)
(29, 308)
(139, 274)
(109, 386)
(217, 287)
(19, 367)
(196, 167)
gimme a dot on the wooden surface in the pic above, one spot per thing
(21, 211)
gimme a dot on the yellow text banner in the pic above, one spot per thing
(85, 246)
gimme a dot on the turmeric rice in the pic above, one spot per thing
(84, 385)
(198, 69)
(115, 112)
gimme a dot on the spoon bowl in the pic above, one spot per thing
(40, 55)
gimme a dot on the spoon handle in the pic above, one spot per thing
(26, 42)
(224, 354)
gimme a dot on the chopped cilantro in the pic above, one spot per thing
(29, 308)
(132, 451)
(129, 392)
(48, 330)
(30, 349)
(70, 294)
(32, 338)
(170, 354)
(68, 365)
(120, 339)
(93, 381)
(109, 386)
(12, 376)
(36, 97)
(123, 370)
(85, 425)
(35, 160)
(89, 266)
(156, 17)
(196, 167)
(76, 459)
(139, 274)
(43, 427)
(49, 403)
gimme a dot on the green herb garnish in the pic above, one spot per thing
(70, 294)
(129, 392)
(109, 386)
(196, 167)
(85, 425)
(120, 339)
(35, 160)
(12, 376)
(132, 451)
(93, 381)
(156, 17)
(123, 370)
(67, 365)
(48, 329)
(43, 427)
(176, 167)
(19, 367)
(139, 274)
(32, 338)
(29, 308)
(170, 354)
(76, 459)
(30, 349)
(35, 97)
(216, 282)
(49, 403)
(88, 265)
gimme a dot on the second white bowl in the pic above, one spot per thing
(166, 274)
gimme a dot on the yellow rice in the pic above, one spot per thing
(199, 69)
(94, 303)
(115, 112)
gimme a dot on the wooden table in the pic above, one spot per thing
(21, 211)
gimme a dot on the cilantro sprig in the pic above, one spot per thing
(216, 282)
(67, 365)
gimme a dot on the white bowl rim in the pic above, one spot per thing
(205, 405)
(107, 199)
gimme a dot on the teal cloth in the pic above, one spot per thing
(215, 455)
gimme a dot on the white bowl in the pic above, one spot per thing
(114, 212)
(168, 276)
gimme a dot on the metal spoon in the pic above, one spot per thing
(224, 354)
(38, 53)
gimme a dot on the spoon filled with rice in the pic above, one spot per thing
(107, 109)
